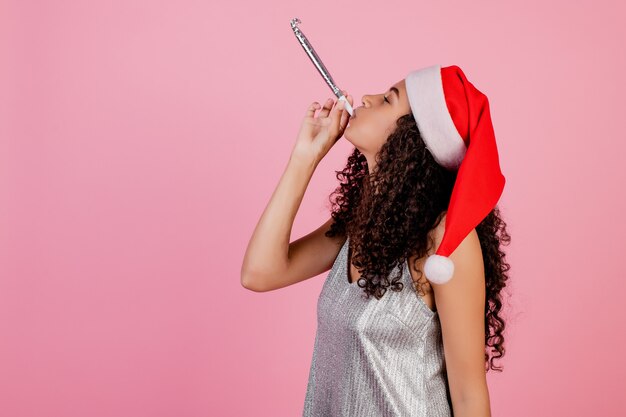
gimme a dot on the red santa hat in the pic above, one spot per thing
(454, 121)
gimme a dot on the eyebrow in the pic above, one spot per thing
(395, 90)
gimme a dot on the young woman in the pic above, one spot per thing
(419, 346)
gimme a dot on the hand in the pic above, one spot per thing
(318, 134)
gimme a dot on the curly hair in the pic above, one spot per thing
(389, 213)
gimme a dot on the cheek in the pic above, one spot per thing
(377, 131)
(369, 134)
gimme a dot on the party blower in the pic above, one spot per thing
(306, 45)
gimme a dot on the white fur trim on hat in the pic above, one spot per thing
(438, 269)
(424, 88)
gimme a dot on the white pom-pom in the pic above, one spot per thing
(438, 269)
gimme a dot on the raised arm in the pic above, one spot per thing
(271, 261)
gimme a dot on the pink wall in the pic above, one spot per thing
(141, 140)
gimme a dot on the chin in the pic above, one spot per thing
(346, 135)
(349, 136)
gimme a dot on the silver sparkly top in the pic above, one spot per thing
(374, 357)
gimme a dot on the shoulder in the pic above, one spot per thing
(467, 257)
(469, 275)
(469, 249)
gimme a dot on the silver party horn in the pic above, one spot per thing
(318, 63)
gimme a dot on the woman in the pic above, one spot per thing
(424, 153)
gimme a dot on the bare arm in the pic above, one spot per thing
(271, 262)
(461, 304)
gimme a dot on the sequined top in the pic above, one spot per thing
(374, 357)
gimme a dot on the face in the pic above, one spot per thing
(376, 119)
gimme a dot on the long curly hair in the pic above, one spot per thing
(389, 213)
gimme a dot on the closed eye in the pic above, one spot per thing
(385, 97)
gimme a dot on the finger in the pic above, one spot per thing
(348, 96)
(327, 107)
(343, 113)
(338, 112)
(344, 119)
(310, 111)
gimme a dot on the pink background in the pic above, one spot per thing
(140, 141)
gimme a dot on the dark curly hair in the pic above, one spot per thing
(389, 213)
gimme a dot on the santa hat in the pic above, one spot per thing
(454, 121)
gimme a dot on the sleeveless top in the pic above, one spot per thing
(374, 357)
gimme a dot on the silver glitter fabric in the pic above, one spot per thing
(380, 358)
